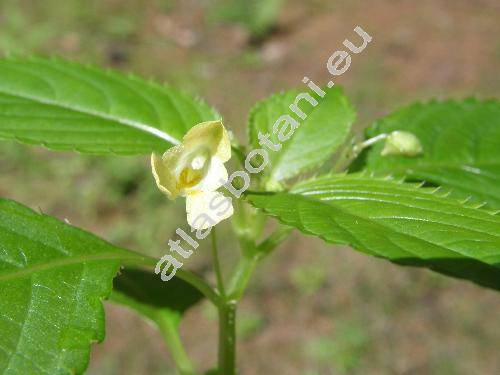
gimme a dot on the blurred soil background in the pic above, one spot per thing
(311, 308)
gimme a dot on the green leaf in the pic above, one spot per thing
(146, 292)
(52, 280)
(396, 221)
(318, 137)
(66, 106)
(161, 302)
(461, 143)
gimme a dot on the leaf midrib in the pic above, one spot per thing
(19, 273)
(430, 166)
(323, 236)
(130, 123)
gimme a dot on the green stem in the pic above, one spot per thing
(240, 154)
(242, 276)
(352, 150)
(344, 156)
(248, 263)
(170, 333)
(227, 338)
(369, 142)
(227, 317)
(199, 284)
(275, 239)
(217, 268)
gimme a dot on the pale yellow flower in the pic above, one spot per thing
(195, 170)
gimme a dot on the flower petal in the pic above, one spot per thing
(211, 134)
(164, 170)
(206, 209)
(215, 177)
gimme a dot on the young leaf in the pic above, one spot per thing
(66, 106)
(52, 280)
(396, 221)
(324, 129)
(461, 147)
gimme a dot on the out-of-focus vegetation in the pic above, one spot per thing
(258, 17)
(353, 314)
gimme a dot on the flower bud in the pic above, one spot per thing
(402, 143)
